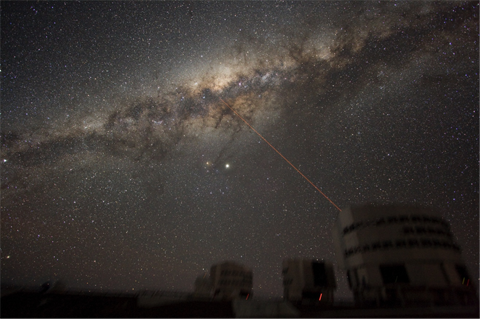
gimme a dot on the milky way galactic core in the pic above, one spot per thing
(124, 167)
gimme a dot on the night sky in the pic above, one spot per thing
(121, 168)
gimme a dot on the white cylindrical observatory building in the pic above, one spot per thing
(401, 255)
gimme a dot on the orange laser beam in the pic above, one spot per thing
(281, 155)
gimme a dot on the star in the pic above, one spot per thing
(111, 117)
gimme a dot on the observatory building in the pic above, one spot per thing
(230, 280)
(203, 287)
(401, 255)
(306, 280)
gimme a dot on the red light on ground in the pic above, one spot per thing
(247, 296)
(320, 298)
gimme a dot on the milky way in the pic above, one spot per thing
(123, 170)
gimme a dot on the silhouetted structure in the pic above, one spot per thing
(401, 261)
(230, 280)
(308, 281)
(203, 287)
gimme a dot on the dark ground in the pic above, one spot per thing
(54, 305)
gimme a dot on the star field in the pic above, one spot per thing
(121, 168)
